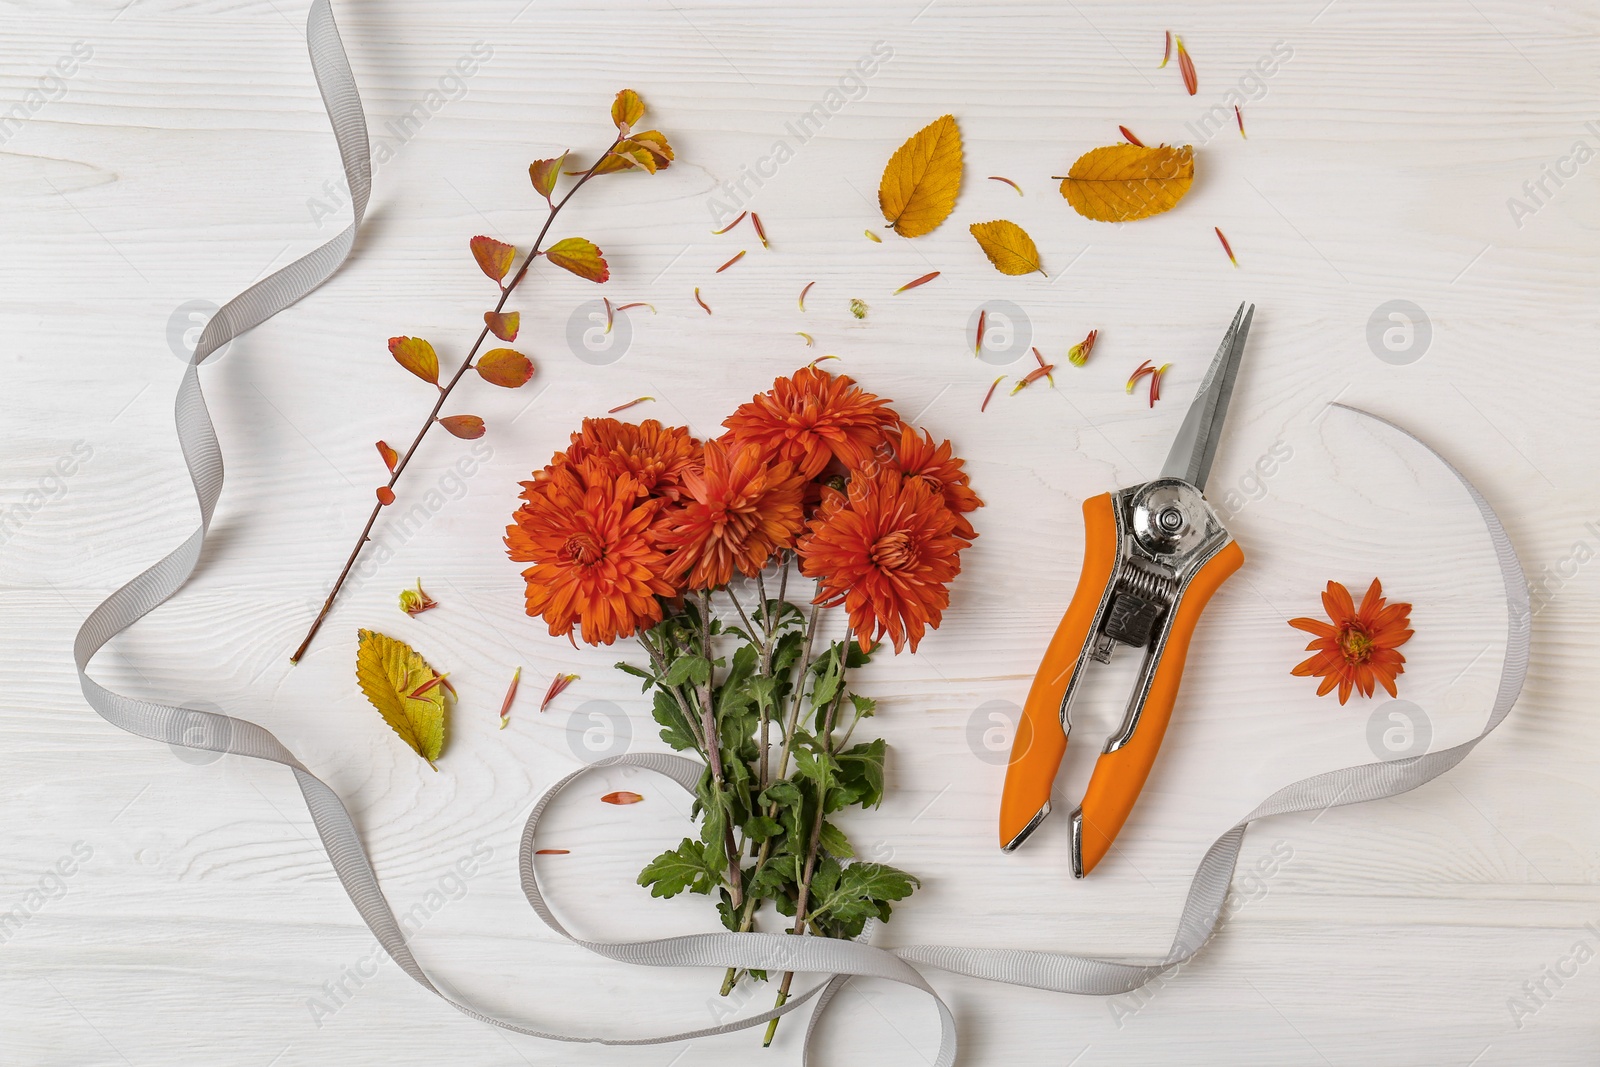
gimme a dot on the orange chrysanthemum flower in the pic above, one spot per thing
(917, 457)
(657, 456)
(1358, 646)
(810, 418)
(587, 532)
(887, 550)
(737, 511)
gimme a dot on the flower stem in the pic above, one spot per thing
(747, 919)
(812, 851)
(444, 394)
(708, 723)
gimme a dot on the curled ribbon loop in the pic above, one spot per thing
(841, 960)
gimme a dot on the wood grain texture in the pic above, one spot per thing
(189, 154)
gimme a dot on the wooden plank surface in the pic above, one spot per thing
(186, 154)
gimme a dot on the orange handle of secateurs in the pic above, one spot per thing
(1040, 742)
(1118, 776)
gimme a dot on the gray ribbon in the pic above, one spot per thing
(841, 960)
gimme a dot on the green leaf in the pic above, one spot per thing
(674, 727)
(861, 771)
(815, 766)
(834, 842)
(854, 657)
(694, 669)
(782, 793)
(637, 672)
(865, 706)
(760, 828)
(829, 674)
(678, 869)
(862, 891)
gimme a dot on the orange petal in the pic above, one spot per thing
(1337, 602)
(1314, 626)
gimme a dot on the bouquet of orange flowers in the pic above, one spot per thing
(640, 530)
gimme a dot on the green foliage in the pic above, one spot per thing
(768, 829)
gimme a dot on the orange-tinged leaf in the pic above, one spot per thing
(466, 427)
(505, 367)
(544, 172)
(635, 402)
(390, 456)
(610, 163)
(552, 852)
(503, 325)
(385, 495)
(654, 143)
(919, 186)
(416, 356)
(494, 257)
(404, 689)
(1123, 182)
(621, 797)
(626, 110)
(633, 155)
(581, 257)
(1008, 246)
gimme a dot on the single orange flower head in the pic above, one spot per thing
(936, 466)
(586, 530)
(657, 456)
(811, 417)
(1357, 648)
(887, 550)
(737, 510)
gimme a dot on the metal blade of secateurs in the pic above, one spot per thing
(1196, 444)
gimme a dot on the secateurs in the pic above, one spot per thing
(1154, 555)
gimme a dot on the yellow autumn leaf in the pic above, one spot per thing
(919, 186)
(409, 694)
(1124, 182)
(1008, 246)
(627, 109)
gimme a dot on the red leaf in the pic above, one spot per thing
(416, 356)
(390, 456)
(466, 427)
(544, 172)
(385, 495)
(581, 257)
(495, 257)
(503, 325)
(622, 797)
(505, 367)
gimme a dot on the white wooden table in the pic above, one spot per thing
(186, 153)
